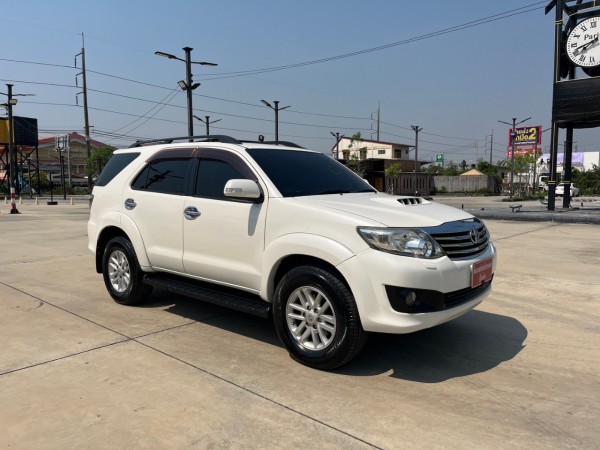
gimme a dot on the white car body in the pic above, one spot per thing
(560, 190)
(241, 245)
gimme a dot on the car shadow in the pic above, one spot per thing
(473, 343)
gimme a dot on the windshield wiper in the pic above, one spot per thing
(333, 191)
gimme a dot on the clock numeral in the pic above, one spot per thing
(582, 58)
(593, 24)
(592, 60)
(583, 28)
(574, 44)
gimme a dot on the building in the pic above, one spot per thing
(72, 147)
(375, 157)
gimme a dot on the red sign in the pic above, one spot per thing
(481, 272)
(525, 136)
(522, 151)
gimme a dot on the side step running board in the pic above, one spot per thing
(227, 297)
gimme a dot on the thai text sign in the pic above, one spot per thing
(525, 136)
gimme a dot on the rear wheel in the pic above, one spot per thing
(122, 274)
(316, 318)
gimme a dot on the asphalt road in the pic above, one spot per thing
(79, 371)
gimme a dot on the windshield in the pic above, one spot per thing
(300, 173)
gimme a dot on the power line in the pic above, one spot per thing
(504, 15)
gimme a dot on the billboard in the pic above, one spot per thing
(525, 136)
(25, 131)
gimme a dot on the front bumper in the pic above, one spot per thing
(380, 282)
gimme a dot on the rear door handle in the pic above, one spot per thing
(130, 204)
(191, 213)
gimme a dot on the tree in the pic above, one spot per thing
(391, 173)
(588, 181)
(99, 158)
(354, 162)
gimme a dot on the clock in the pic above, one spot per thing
(583, 46)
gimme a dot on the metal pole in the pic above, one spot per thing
(512, 159)
(86, 118)
(567, 168)
(12, 179)
(276, 122)
(207, 125)
(62, 173)
(416, 128)
(188, 80)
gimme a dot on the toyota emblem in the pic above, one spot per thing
(474, 234)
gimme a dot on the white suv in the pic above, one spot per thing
(283, 232)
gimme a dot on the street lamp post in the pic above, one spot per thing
(207, 122)
(337, 137)
(12, 156)
(416, 129)
(187, 85)
(275, 108)
(514, 146)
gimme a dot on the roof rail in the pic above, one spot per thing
(205, 138)
(284, 143)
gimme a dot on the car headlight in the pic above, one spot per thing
(402, 241)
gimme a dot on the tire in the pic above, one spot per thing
(316, 318)
(122, 274)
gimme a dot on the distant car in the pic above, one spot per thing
(560, 190)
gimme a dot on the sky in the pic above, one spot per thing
(433, 64)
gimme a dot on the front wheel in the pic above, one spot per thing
(122, 274)
(316, 318)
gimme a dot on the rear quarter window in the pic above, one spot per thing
(114, 166)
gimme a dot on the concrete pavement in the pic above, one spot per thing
(79, 371)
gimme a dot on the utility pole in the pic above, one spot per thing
(86, 118)
(207, 122)
(491, 136)
(416, 129)
(378, 112)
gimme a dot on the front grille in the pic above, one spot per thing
(462, 239)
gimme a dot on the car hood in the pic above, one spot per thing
(389, 210)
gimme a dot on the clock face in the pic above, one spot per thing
(583, 46)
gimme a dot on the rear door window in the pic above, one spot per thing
(164, 175)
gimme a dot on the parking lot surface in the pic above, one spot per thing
(79, 371)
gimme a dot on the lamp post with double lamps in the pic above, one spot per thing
(275, 108)
(187, 85)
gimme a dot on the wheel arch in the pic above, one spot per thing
(297, 250)
(126, 229)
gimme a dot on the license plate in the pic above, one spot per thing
(481, 272)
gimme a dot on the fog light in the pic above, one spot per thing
(411, 299)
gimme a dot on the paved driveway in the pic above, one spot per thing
(79, 371)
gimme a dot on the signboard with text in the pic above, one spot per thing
(525, 136)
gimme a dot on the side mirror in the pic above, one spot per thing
(248, 190)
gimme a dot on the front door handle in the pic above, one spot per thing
(130, 204)
(191, 213)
